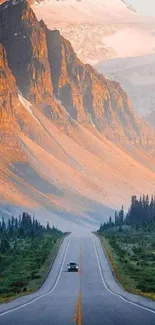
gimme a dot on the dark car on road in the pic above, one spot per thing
(72, 266)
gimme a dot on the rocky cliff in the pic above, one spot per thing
(45, 65)
(24, 39)
(8, 93)
(87, 95)
(9, 105)
(15, 115)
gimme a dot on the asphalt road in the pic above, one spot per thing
(89, 297)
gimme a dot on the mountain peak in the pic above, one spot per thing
(19, 35)
(15, 9)
(23, 4)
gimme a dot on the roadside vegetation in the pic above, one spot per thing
(129, 242)
(27, 249)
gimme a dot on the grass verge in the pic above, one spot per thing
(132, 260)
(26, 264)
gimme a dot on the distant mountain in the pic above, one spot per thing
(151, 119)
(71, 147)
(88, 97)
(100, 29)
(137, 77)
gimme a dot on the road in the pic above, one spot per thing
(89, 297)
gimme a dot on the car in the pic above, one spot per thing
(72, 266)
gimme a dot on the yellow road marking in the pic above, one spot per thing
(77, 318)
(74, 319)
(79, 313)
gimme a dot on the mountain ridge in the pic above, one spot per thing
(64, 163)
(136, 76)
(98, 31)
(105, 40)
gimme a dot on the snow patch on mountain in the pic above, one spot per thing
(100, 29)
(27, 105)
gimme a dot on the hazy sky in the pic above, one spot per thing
(146, 7)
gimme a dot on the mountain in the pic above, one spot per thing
(87, 96)
(136, 76)
(112, 37)
(9, 127)
(51, 68)
(100, 29)
(29, 63)
(71, 147)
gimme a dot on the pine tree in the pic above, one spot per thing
(116, 219)
(121, 216)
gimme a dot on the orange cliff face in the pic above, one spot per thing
(9, 105)
(12, 122)
(55, 113)
(88, 96)
(22, 35)
(45, 65)
(15, 112)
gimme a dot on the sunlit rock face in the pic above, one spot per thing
(25, 37)
(102, 30)
(87, 95)
(45, 64)
(9, 105)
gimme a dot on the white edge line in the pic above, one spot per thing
(112, 292)
(43, 295)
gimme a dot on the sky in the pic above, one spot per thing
(146, 7)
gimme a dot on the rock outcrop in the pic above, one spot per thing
(24, 39)
(9, 102)
(15, 119)
(87, 95)
(45, 66)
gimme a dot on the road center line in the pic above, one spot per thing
(77, 319)
(79, 315)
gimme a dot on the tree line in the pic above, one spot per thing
(24, 226)
(141, 214)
